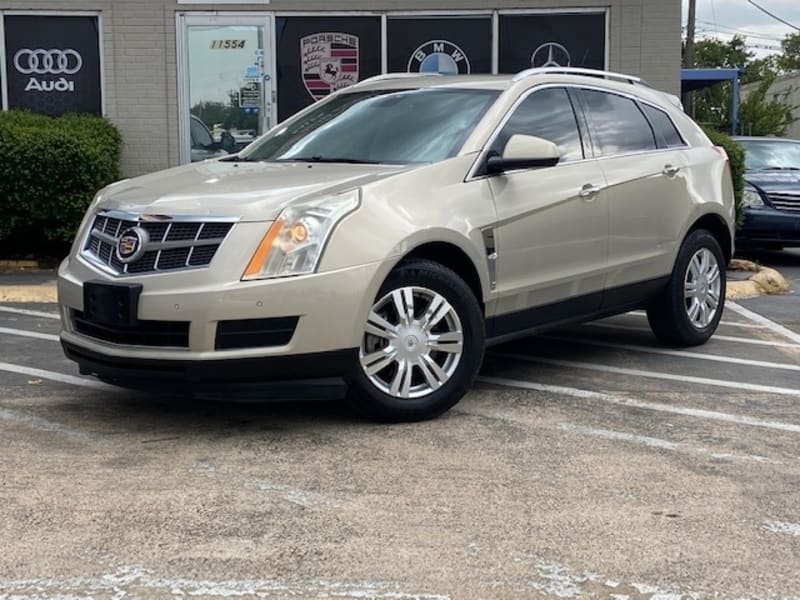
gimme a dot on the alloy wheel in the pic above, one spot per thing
(413, 342)
(701, 288)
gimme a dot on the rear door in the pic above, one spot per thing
(552, 229)
(644, 167)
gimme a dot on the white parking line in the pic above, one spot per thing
(40, 423)
(681, 353)
(752, 387)
(641, 313)
(784, 527)
(727, 338)
(621, 436)
(31, 334)
(765, 322)
(30, 313)
(54, 376)
(656, 406)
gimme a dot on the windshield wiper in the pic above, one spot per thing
(781, 169)
(237, 158)
(330, 159)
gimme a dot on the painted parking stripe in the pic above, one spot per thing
(765, 322)
(31, 334)
(641, 313)
(752, 387)
(628, 402)
(30, 313)
(726, 338)
(680, 353)
(54, 376)
(632, 438)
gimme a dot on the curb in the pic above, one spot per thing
(763, 281)
(18, 265)
(28, 293)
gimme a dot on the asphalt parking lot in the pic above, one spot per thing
(589, 462)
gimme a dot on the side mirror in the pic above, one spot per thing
(524, 152)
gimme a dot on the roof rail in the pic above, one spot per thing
(579, 71)
(387, 76)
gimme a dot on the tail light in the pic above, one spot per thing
(720, 150)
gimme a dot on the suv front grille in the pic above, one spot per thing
(187, 243)
(789, 202)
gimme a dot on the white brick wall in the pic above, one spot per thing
(141, 72)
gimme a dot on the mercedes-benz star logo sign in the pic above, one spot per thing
(551, 54)
(131, 244)
(48, 62)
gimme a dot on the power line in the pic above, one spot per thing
(744, 32)
(773, 15)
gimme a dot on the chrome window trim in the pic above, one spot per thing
(472, 176)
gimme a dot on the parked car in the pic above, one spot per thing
(772, 193)
(203, 144)
(383, 237)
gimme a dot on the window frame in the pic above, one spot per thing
(478, 169)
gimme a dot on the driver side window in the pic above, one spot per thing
(547, 114)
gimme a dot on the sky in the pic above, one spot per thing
(723, 18)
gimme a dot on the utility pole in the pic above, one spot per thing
(688, 54)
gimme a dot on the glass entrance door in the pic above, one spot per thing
(227, 77)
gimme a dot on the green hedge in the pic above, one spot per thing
(736, 156)
(50, 169)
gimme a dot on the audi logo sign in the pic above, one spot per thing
(47, 62)
(53, 63)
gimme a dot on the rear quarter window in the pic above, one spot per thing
(667, 134)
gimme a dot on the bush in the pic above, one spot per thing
(736, 155)
(50, 169)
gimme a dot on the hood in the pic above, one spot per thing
(250, 191)
(787, 182)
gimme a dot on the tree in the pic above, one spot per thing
(789, 60)
(757, 116)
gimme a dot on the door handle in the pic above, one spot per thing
(670, 171)
(589, 190)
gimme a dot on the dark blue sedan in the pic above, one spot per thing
(771, 194)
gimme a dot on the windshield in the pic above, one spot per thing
(777, 155)
(383, 126)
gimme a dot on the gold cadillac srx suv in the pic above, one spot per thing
(377, 241)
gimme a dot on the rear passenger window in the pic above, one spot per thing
(618, 124)
(667, 135)
(546, 114)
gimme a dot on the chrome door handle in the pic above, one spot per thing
(589, 190)
(670, 171)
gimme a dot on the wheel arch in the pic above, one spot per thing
(716, 225)
(454, 258)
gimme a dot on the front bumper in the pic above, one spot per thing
(330, 310)
(769, 226)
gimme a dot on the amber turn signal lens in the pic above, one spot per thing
(260, 256)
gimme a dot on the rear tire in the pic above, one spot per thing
(422, 346)
(688, 309)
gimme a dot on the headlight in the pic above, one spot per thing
(752, 199)
(294, 243)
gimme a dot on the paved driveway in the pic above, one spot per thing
(589, 462)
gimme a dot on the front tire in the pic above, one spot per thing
(688, 310)
(422, 345)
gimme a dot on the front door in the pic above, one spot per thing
(226, 92)
(552, 229)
